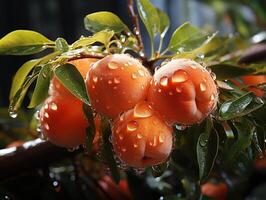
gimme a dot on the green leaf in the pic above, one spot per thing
(260, 68)
(187, 38)
(245, 130)
(164, 22)
(207, 150)
(41, 89)
(90, 130)
(70, 77)
(99, 21)
(103, 37)
(149, 16)
(61, 45)
(240, 106)
(107, 150)
(20, 76)
(23, 42)
(227, 71)
(19, 96)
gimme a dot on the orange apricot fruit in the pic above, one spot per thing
(183, 92)
(83, 65)
(117, 83)
(216, 191)
(141, 138)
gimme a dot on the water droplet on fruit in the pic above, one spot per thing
(121, 137)
(46, 106)
(114, 87)
(132, 125)
(134, 76)
(161, 138)
(212, 97)
(178, 89)
(141, 73)
(116, 80)
(110, 82)
(142, 110)
(95, 79)
(46, 126)
(46, 115)
(135, 145)
(154, 142)
(171, 93)
(124, 149)
(113, 65)
(193, 66)
(179, 76)
(53, 106)
(159, 90)
(164, 81)
(93, 86)
(129, 63)
(203, 87)
(139, 136)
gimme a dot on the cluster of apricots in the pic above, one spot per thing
(141, 107)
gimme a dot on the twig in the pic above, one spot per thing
(135, 23)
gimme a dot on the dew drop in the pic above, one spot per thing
(95, 79)
(129, 63)
(46, 106)
(212, 97)
(13, 114)
(142, 110)
(159, 90)
(179, 76)
(124, 149)
(53, 106)
(139, 136)
(164, 81)
(203, 87)
(134, 76)
(141, 73)
(46, 115)
(121, 137)
(171, 93)
(161, 138)
(110, 82)
(93, 86)
(193, 66)
(154, 142)
(113, 65)
(116, 80)
(135, 145)
(132, 125)
(200, 55)
(178, 89)
(114, 87)
(46, 126)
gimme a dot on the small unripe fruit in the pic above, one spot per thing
(116, 83)
(83, 65)
(63, 122)
(183, 92)
(141, 138)
(254, 80)
(217, 191)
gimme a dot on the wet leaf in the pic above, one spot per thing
(164, 22)
(41, 89)
(61, 45)
(24, 42)
(103, 37)
(99, 21)
(71, 78)
(227, 71)
(149, 16)
(187, 38)
(239, 106)
(207, 150)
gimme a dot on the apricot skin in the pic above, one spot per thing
(116, 83)
(63, 122)
(142, 141)
(83, 65)
(183, 92)
(254, 80)
(216, 191)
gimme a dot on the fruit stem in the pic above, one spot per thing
(135, 23)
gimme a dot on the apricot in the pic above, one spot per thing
(116, 83)
(254, 80)
(63, 122)
(141, 138)
(83, 65)
(216, 191)
(183, 92)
